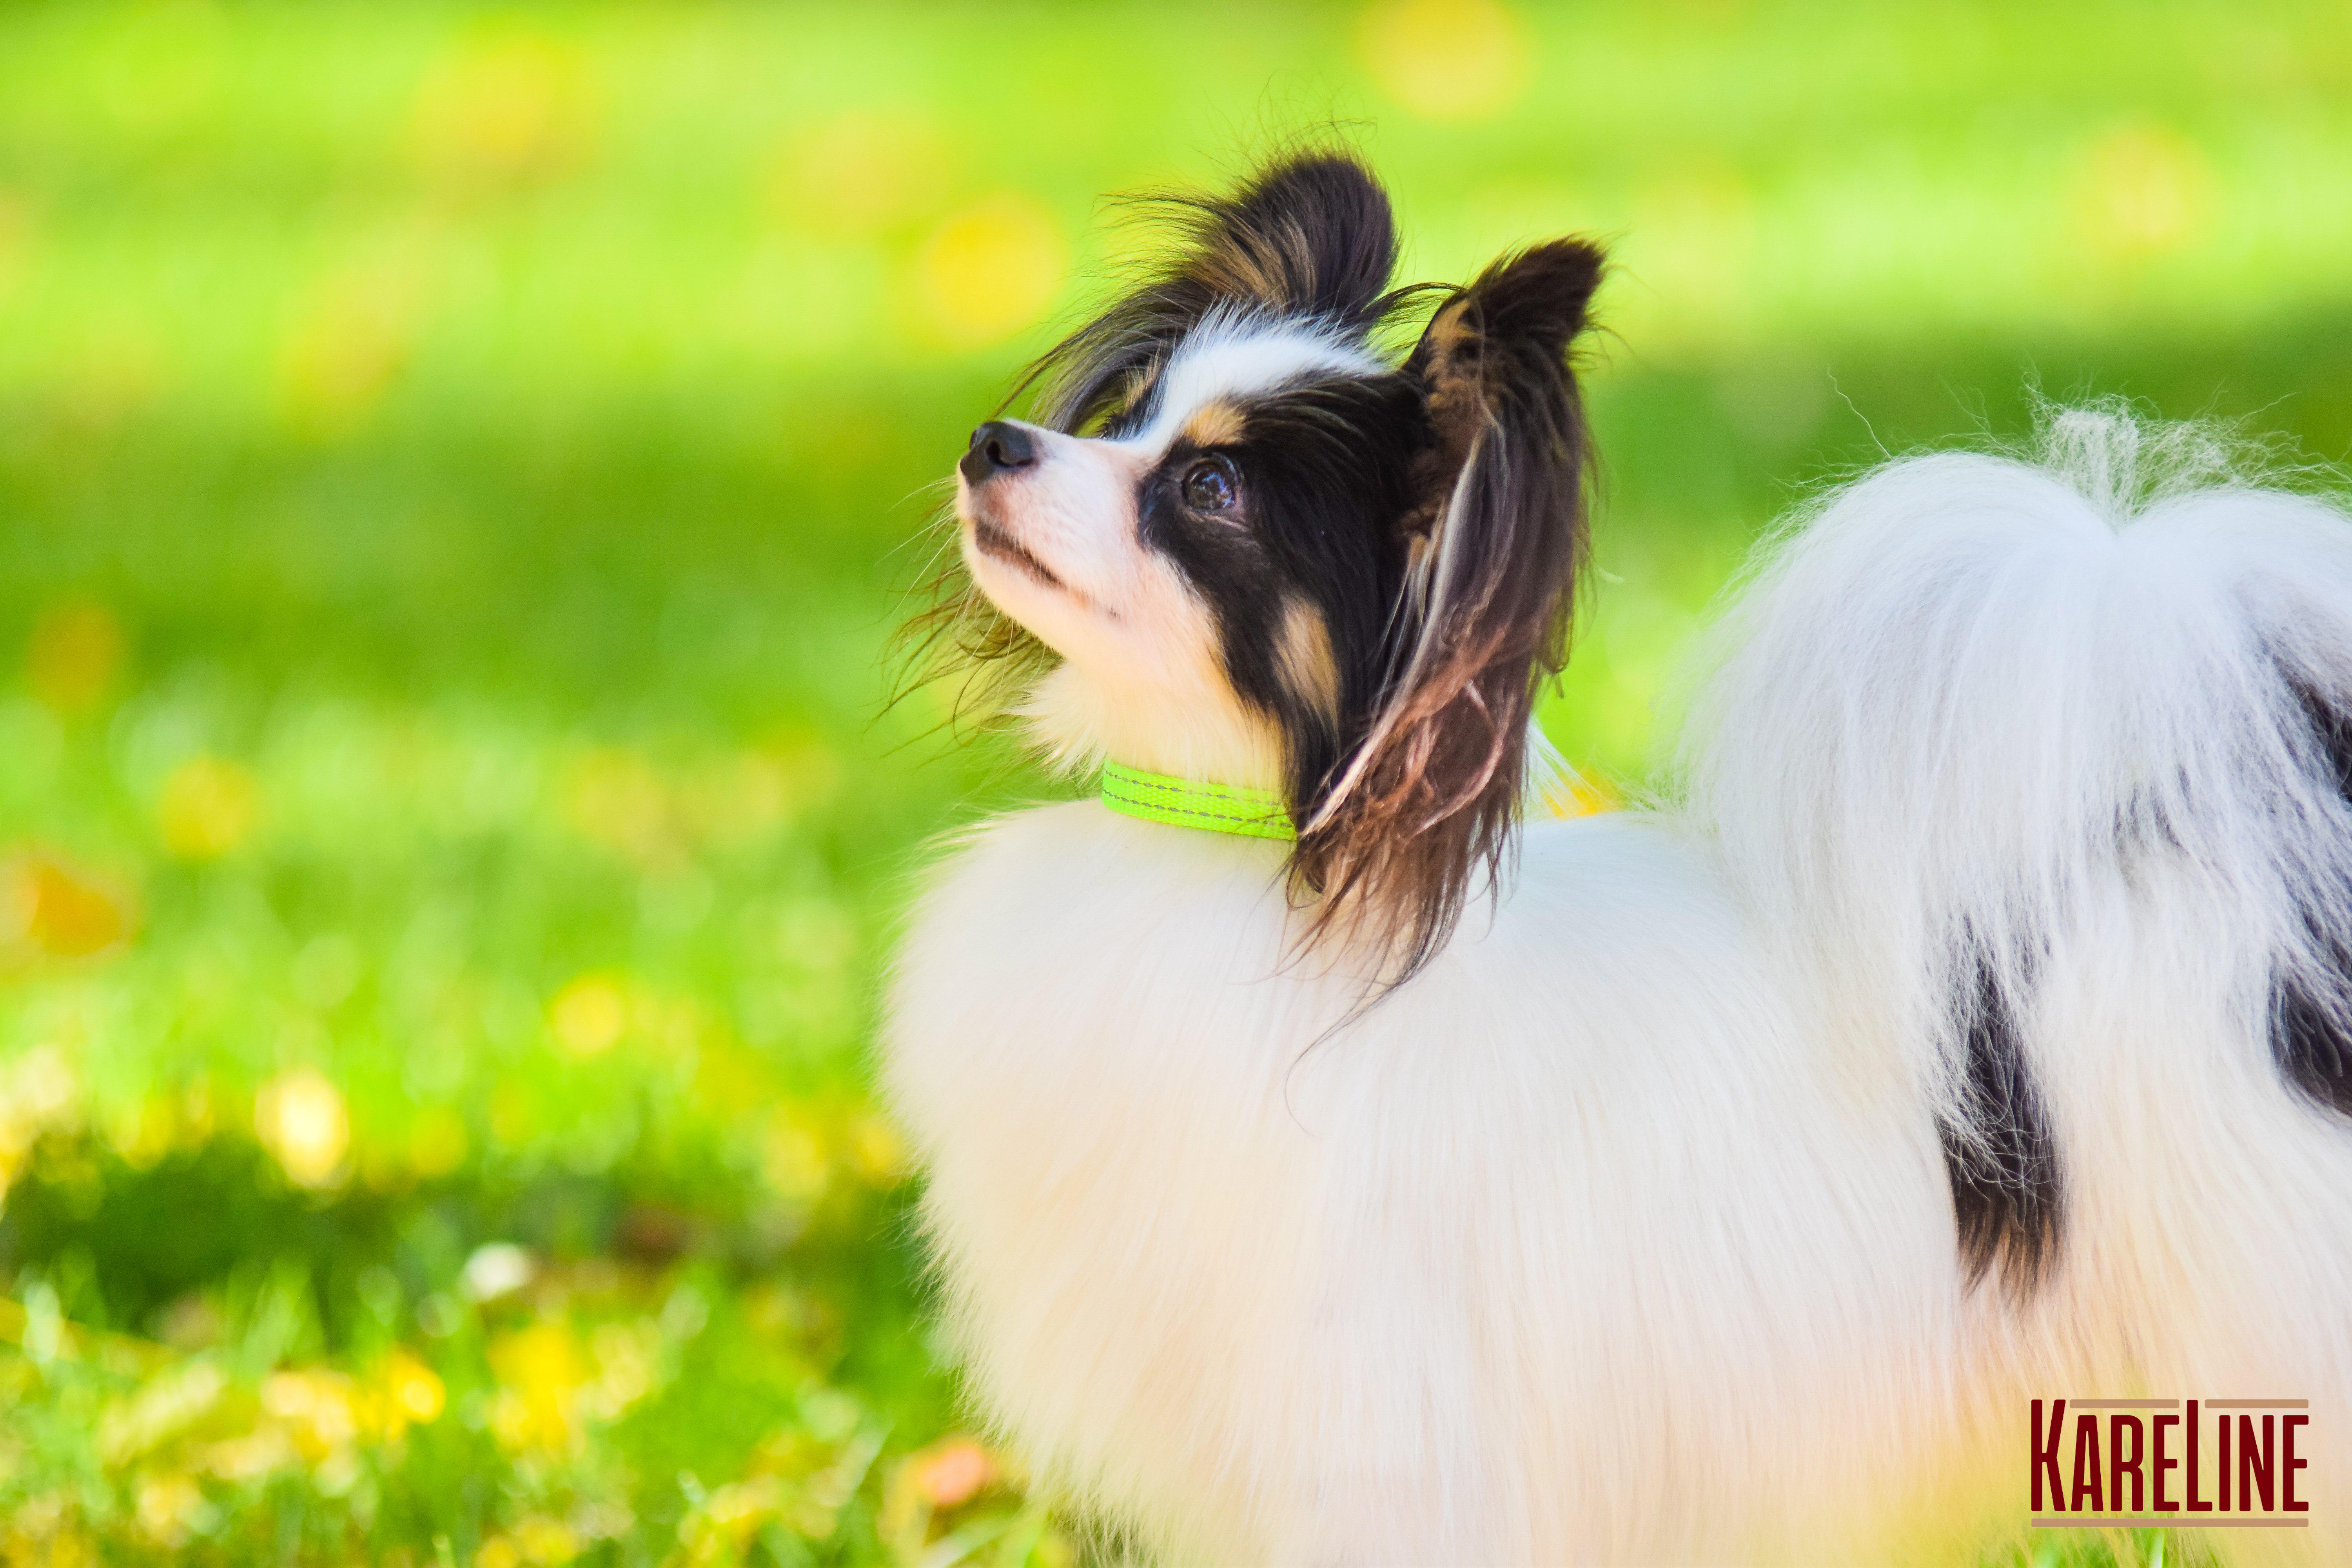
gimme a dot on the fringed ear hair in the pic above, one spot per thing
(1429, 801)
(1309, 236)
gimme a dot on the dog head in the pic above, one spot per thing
(1267, 551)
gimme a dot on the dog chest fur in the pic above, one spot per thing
(1441, 1278)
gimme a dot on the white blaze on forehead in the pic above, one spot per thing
(1242, 356)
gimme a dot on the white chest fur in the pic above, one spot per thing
(1576, 1246)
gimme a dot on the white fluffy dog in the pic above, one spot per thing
(1325, 1169)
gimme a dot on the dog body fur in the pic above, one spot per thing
(1577, 1248)
(1973, 1024)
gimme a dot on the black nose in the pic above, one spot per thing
(995, 447)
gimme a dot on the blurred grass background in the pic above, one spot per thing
(456, 465)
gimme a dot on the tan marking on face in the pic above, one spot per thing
(1308, 666)
(1215, 425)
(1139, 387)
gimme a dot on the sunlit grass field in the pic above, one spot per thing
(456, 468)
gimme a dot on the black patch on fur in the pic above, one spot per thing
(2006, 1194)
(1326, 468)
(2310, 1039)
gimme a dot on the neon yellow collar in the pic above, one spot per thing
(1188, 803)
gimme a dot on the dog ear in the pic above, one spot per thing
(1494, 543)
(1309, 236)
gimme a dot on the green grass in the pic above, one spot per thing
(456, 468)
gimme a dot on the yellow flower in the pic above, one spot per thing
(318, 1407)
(540, 1370)
(411, 1392)
(300, 1118)
(541, 1540)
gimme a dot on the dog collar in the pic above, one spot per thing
(1188, 802)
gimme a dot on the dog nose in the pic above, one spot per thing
(997, 445)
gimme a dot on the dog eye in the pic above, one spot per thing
(1209, 486)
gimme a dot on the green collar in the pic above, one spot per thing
(1188, 803)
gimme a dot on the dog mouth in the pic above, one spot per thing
(993, 541)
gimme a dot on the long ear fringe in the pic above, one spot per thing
(1425, 815)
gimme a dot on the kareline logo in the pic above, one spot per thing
(2218, 1466)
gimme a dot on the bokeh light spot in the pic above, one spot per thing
(545, 1543)
(860, 174)
(952, 1471)
(877, 1152)
(168, 1506)
(589, 1015)
(792, 1157)
(991, 269)
(318, 1408)
(335, 367)
(58, 908)
(495, 1269)
(2143, 189)
(540, 1370)
(615, 798)
(207, 808)
(300, 1118)
(509, 105)
(413, 1392)
(1447, 59)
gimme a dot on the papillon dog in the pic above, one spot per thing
(1334, 1158)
